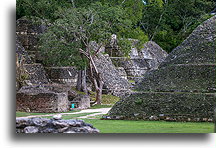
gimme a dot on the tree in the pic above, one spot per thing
(44, 9)
(169, 22)
(68, 39)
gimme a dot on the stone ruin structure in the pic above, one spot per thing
(26, 50)
(182, 88)
(38, 98)
(140, 61)
(43, 125)
(115, 78)
(27, 34)
(62, 75)
(40, 94)
(113, 82)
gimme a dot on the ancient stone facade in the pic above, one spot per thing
(64, 75)
(43, 125)
(40, 82)
(81, 101)
(53, 97)
(22, 58)
(182, 88)
(140, 61)
(21, 53)
(36, 74)
(40, 99)
(113, 82)
(122, 72)
(27, 33)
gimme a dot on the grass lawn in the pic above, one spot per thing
(126, 126)
(25, 114)
(100, 106)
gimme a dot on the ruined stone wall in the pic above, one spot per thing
(140, 61)
(64, 75)
(28, 35)
(113, 82)
(36, 74)
(39, 99)
(122, 72)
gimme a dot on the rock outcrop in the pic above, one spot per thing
(44, 125)
(183, 88)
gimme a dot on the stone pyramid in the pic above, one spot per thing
(182, 88)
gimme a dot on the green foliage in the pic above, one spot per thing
(157, 3)
(44, 9)
(75, 28)
(139, 101)
(168, 24)
(133, 9)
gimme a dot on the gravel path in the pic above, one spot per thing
(100, 111)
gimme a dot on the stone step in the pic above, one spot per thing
(177, 106)
(182, 78)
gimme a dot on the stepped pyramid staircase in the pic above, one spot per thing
(183, 88)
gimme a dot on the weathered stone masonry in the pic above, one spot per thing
(183, 88)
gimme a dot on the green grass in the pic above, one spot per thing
(131, 81)
(106, 99)
(126, 126)
(100, 106)
(25, 114)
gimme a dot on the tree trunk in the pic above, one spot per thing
(81, 81)
(99, 89)
(94, 75)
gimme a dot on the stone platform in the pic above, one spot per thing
(170, 106)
